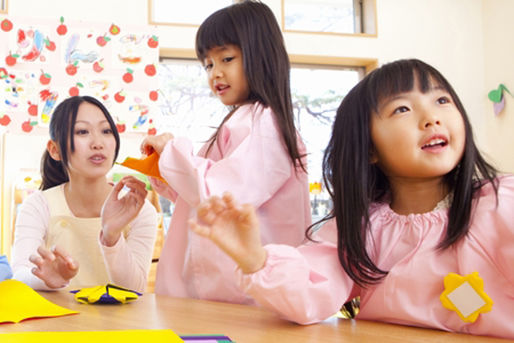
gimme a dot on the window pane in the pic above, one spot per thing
(185, 12)
(320, 15)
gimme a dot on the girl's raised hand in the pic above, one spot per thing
(155, 143)
(118, 212)
(234, 229)
(55, 266)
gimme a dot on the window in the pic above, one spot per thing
(191, 12)
(329, 16)
(187, 108)
(3, 6)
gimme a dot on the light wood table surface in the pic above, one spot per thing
(243, 324)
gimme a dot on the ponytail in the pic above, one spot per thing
(52, 172)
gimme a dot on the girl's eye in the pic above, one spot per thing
(443, 100)
(400, 109)
(228, 59)
(207, 66)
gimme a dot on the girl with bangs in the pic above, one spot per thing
(256, 153)
(421, 229)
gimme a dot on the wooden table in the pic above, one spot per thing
(243, 324)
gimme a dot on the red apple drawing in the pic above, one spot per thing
(73, 91)
(71, 69)
(5, 120)
(102, 40)
(62, 29)
(45, 78)
(49, 44)
(98, 66)
(153, 42)
(121, 127)
(150, 70)
(114, 29)
(6, 25)
(153, 95)
(119, 96)
(32, 109)
(26, 126)
(128, 77)
(10, 60)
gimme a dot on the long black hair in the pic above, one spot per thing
(252, 26)
(54, 173)
(354, 182)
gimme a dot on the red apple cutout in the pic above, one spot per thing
(62, 29)
(98, 66)
(3, 73)
(73, 91)
(5, 120)
(153, 95)
(119, 96)
(10, 60)
(71, 69)
(6, 25)
(153, 42)
(121, 127)
(102, 40)
(26, 126)
(114, 29)
(45, 78)
(32, 109)
(49, 44)
(128, 77)
(150, 70)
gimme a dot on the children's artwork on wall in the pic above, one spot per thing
(43, 61)
(498, 98)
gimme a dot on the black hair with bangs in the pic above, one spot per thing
(252, 26)
(62, 124)
(354, 182)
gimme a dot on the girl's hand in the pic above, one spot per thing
(155, 143)
(117, 213)
(55, 266)
(234, 229)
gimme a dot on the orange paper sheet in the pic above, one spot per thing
(18, 302)
(124, 336)
(148, 166)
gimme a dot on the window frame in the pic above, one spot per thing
(4, 6)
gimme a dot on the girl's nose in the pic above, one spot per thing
(430, 119)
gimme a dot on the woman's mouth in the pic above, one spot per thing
(97, 159)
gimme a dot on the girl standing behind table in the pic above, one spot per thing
(78, 231)
(256, 153)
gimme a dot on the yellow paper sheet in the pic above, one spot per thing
(18, 302)
(125, 336)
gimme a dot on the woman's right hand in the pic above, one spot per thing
(155, 143)
(234, 229)
(55, 266)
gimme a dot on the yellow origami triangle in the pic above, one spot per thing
(18, 302)
(106, 294)
(120, 336)
(148, 166)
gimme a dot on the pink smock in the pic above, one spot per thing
(250, 160)
(308, 284)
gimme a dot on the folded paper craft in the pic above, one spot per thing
(18, 302)
(106, 294)
(119, 336)
(148, 166)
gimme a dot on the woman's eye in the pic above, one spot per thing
(107, 131)
(81, 132)
(443, 100)
(400, 109)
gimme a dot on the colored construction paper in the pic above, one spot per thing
(123, 336)
(206, 339)
(499, 106)
(105, 294)
(148, 166)
(18, 302)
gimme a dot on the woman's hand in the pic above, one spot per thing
(118, 212)
(55, 266)
(234, 229)
(155, 143)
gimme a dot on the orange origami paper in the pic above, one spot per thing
(19, 302)
(148, 166)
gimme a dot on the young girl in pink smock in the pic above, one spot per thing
(255, 153)
(422, 227)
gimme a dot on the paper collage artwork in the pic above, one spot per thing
(44, 61)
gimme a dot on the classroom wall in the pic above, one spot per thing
(469, 41)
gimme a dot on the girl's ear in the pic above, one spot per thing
(53, 150)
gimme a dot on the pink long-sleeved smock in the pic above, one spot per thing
(308, 284)
(250, 160)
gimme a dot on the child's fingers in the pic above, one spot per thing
(199, 229)
(229, 201)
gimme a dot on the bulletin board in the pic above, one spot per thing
(44, 61)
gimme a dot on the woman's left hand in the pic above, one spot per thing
(118, 212)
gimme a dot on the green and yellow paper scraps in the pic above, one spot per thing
(105, 294)
(18, 302)
(123, 336)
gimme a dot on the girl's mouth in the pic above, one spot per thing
(435, 143)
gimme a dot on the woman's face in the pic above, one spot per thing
(94, 143)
